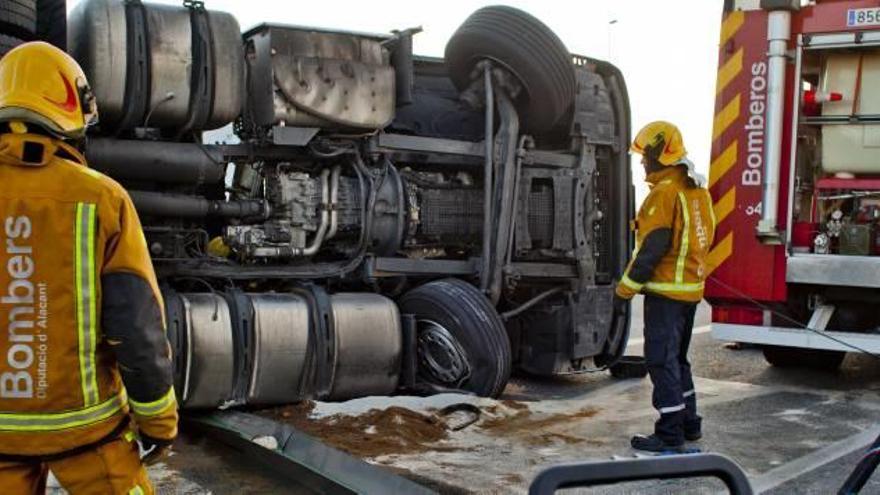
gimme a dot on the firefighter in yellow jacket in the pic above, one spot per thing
(675, 228)
(83, 349)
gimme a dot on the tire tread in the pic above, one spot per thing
(52, 22)
(8, 43)
(527, 47)
(450, 296)
(18, 18)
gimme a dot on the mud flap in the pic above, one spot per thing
(561, 335)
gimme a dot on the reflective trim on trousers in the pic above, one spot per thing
(62, 420)
(671, 409)
(86, 299)
(156, 407)
(688, 393)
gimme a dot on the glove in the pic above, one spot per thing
(153, 450)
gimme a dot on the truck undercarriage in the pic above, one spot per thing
(376, 222)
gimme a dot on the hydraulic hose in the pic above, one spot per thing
(530, 303)
(325, 216)
(334, 198)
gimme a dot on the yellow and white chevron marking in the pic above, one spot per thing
(729, 71)
(725, 117)
(720, 253)
(731, 25)
(729, 113)
(722, 163)
(725, 205)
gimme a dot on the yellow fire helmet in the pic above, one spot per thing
(42, 85)
(661, 140)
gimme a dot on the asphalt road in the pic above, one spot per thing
(792, 430)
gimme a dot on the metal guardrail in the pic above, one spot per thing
(299, 457)
(666, 467)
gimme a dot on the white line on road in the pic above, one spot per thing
(814, 460)
(697, 331)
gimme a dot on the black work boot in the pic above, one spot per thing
(693, 435)
(693, 429)
(653, 443)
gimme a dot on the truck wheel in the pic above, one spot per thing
(792, 357)
(52, 22)
(462, 343)
(18, 18)
(8, 43)
(526, 47)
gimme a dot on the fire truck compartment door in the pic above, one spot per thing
(830, 269)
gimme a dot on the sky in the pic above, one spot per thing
(667, 50)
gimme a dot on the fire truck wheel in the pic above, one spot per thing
(792, 357)
(19, 18)
(526, 47)
(462, 343)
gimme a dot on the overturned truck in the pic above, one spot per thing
(374, 222)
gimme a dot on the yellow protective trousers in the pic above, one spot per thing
(112, 468)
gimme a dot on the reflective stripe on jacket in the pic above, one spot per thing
(84, 342)
(675, 228)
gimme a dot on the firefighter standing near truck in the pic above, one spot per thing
(83, 349)
(675, 228)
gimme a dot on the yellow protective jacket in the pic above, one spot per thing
(83, 344)
(675, 228)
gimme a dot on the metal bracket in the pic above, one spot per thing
(194, 4)
(584, 237)
(409, 366)
(505, 181)
(666, 467)
(293, 136)
(821, 316)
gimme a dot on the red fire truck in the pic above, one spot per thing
(795, 176)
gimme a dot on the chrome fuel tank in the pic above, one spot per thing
(236, 348)
(159, 65)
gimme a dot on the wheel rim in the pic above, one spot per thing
(440, 355)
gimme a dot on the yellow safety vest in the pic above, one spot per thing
(687, 211)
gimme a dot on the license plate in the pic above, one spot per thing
(863, 17)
